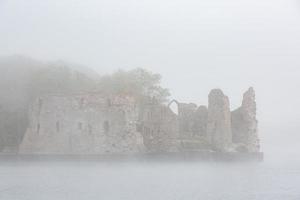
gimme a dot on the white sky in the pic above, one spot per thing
(196, 45)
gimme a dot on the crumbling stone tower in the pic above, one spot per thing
(244, 124)
(219, 121)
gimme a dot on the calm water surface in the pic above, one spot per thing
(48, 180)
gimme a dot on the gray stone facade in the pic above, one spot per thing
(82, 124)
(245, 124)
(219, 121)
(159, 127)
(96, 124)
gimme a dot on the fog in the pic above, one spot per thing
(196, 46)
(148, 181)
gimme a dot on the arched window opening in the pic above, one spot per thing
(90, 129)
(108, 102)
(38, 128)
(173, 105)
(81, 102)
(57, 126)
(106, 126)
(79, 126)
(40, 104)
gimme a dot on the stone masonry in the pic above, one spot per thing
(219, 121)
(82, 124)
(244, 124)
(96, 124)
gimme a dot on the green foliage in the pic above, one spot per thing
(139, 83)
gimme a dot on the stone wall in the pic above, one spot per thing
(82, 124)
(199, 127)
(159, 127)
(192, 127)
(219, 121)
(96, 124)
(186, 119)
(244, 124)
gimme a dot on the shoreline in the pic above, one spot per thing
(160, 157)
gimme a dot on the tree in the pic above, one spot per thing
(139, 83)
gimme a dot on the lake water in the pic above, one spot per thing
(81, 180)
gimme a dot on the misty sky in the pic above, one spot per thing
(196, 45)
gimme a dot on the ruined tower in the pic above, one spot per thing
(219, 121)
(244, 124)
(97, 124)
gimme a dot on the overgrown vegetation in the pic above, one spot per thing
(139, 83)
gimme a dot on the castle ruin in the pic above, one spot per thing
(96, 124)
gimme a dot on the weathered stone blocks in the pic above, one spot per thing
(244, 124)
(96, 124)
(219, 121)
